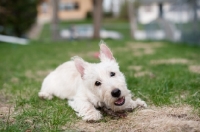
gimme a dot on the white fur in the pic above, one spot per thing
(75, 80)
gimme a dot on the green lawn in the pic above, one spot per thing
(157, 72)
(161, 73)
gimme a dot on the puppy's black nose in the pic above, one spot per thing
(116, 92)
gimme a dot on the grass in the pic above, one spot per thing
(157, 72)
(24, 67)
(109, 24)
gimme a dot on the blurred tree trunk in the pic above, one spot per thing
(55, 20)
(97, 17)
(131, 17)
(195, 15)
(112, 7)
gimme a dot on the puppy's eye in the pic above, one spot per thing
(112, 74)
(97, 83)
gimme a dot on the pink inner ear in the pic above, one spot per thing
(106, 51)
(79, 67)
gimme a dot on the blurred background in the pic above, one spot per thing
(71, 20)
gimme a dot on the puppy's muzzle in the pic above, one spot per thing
(116, 93)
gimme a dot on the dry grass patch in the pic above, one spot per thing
(144, 45)
(140, 49)
(14, 80)
(6, 110)
(167, 119)
(144, 73)
(155, 119)
(38, 75)
(139, 72)
(135, 68)
(170, 61)
(195, 68)
(85, 54)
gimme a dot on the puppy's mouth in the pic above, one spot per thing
(120, 101)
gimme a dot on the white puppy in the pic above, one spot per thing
(88, 86)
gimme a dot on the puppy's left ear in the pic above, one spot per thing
(80, 65)
(105, 53)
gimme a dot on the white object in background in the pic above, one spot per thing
(14, 40)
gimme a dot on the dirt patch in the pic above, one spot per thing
(170, 61)
(153, 119)
(195, 68)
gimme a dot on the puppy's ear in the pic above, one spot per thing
(105, 53)
(80, 64)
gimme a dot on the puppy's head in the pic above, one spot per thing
(104, 79)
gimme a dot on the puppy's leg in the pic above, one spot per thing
(137, 103)
(140, 103)
(85, 110)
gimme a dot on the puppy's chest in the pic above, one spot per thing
(95, 102)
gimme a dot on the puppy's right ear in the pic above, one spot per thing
(80, 64)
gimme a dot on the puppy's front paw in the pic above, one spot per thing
(92, 116)
(141, 103)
